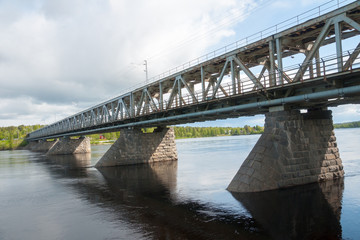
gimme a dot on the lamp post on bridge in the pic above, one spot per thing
(146, 70)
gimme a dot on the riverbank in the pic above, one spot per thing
(13, 138)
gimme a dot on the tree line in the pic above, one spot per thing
(188, 132)
(195, 132)
(347, 125)
(14, 137)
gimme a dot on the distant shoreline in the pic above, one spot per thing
(347, 125)
(13, 138)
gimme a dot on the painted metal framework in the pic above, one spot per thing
(249, 74)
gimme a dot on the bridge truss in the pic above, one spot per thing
(244, 81)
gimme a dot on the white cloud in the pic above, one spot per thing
(346, 113)
(25, 110)
(59, 52)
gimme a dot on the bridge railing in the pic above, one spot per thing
(317, 68)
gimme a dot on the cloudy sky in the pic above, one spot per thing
(58, 57)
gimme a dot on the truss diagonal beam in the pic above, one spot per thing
(220, 78)
(283, 74)
(127, 110)
(141, 101)
(324, 32)
(351, 22)
(172, 94)
(352, 58)
(261, 73)
(211, 81)
(191, 92)
(223, 91)
(248, 72)
(153, 106)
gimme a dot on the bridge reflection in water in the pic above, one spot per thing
(147, 196)
(74, 161)
(305, 212)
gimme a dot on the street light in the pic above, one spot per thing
(146, 70)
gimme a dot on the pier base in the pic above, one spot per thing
(71, 146)
(42, 146)
(134, 147)
(294, 149)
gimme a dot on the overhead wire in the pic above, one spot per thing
(225, 21)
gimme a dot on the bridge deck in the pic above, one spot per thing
(242, 82)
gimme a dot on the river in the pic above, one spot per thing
(63, 197)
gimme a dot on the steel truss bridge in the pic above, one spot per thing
(243, 79)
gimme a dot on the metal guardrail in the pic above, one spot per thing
(328, 66)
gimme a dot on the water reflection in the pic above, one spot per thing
(306, 212)
(71, 161)
(156, 178)
(146, 196)
(68, 166)
(149, 194)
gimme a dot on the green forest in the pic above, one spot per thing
(14, 137)
(347, 125)
(195, 132)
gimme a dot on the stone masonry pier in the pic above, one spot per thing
(71, 146)
(135, 147)
(295, 148)
(41, 145)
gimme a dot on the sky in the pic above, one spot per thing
(58, 57)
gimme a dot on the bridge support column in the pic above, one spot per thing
(71, 146)
(134, 147)
(31, 145)
(41, 145)
(294, 149)
(44, 146)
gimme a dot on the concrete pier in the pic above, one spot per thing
(71, 146)
(134, 147)
(295, 148)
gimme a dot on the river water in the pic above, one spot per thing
(63, 198)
